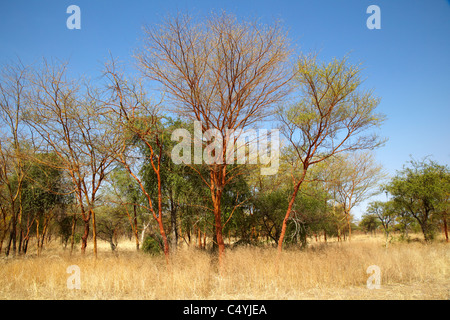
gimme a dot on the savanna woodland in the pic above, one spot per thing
(88, 175)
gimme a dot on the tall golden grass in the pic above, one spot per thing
(322, 271)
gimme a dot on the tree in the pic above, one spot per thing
(333, 115)
(126, 193)
(14, 86)
(421, 190)
(175, 180)
(44, 193)
(222, 72)
(369, 222)
(140, 126)
(111, 224)
(385, 212)
(311, 213)
(404, 221)
(353, 178)
(444, 206)
(72, 124)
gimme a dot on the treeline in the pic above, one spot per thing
(85, 158)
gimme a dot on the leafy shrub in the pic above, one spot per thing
(152, 245)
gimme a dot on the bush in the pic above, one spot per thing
(152, 245)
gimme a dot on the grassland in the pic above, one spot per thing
(323, 271)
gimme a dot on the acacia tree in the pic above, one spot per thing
(138, 122)
(385, 212)
(421, 190)
(72, 125)
(333, 115)
(369, 222)
(222, 72)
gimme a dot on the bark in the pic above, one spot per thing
(173, 223)
(217, 175)
(136, 235)
(288, 213)
(72, 235)
(12, 237)
(445, 226)
(38, 252)
(347, 214)
(85, 236)
(160, 221)
(199, 237)
(94, 232)
(204, 239)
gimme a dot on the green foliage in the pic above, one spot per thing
(43, 187)
(77, 238)
(421, 191)
(111, 222)
(311, 213)
(65, 228)
(152, 245)
(369, 223)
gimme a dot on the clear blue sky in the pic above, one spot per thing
(407, 61)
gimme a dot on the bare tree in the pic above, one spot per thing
(225, 73)
(13, 138)
(354, 178)
(72, 125)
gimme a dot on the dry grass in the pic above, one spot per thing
(324, 271)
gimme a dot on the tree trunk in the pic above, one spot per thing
(291, 204)
(347, 214)
(216, 197)
(94, 232)
(164, 237)
(219, 237)
(37, 238)
(288, 213)
(173, 223)
(72, 234)
(217, 183)
(160, 221)
(20, 240)
(85, 236)
(199, 235)
(12, 236)
(426, 232)
(204, 239)
(445, 226)
(136, 235)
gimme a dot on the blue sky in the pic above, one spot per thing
(406, 61)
